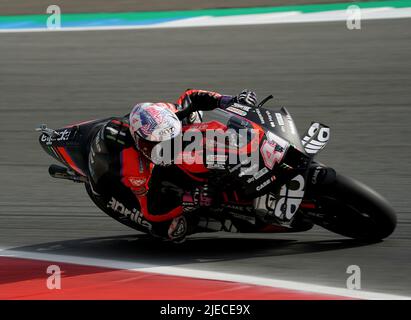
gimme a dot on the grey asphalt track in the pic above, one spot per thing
(357, 82)
(14, 7)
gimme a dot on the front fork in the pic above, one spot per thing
(298, 195)
(318, 176)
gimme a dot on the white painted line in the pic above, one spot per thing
(251, 19)
(208, 275)
(341, 15)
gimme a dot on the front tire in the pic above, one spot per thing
(352, 209)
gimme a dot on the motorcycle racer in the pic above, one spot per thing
(121, 163)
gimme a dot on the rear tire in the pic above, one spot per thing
(352, 209)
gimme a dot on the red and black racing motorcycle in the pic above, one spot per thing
(289, 192)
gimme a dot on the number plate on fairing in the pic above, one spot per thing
(273, 149)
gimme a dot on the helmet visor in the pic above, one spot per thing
(145, 146)
(158, 152)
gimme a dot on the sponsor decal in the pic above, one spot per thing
(287, 203)
(218, 166)
(247, 171)
(270, 118)
(237, 207)
(238, 166)
(260, 116)
(237, 111)
(167, 131)
(60, 136)
(177, 228)
(258, 175)
(242, 107)
(280, 119)
(291, 124)
(264, 184)
(137, 181)
(134, 215)
(316, 139)
(216, 161)
(211, 158)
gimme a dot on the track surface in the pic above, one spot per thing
(11, 7)
(358, 82)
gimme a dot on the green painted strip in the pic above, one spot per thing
(159, 15)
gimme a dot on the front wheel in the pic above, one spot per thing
(350, 208)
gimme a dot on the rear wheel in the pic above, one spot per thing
(352, 209)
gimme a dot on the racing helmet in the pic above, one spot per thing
(151, 125)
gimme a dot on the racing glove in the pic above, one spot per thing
(247, 97)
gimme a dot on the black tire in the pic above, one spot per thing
(354, 210)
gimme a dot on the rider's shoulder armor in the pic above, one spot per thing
(106, 147)
(114, 154)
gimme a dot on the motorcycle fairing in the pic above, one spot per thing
(316, 138)
(69, 145)
(277, 121)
